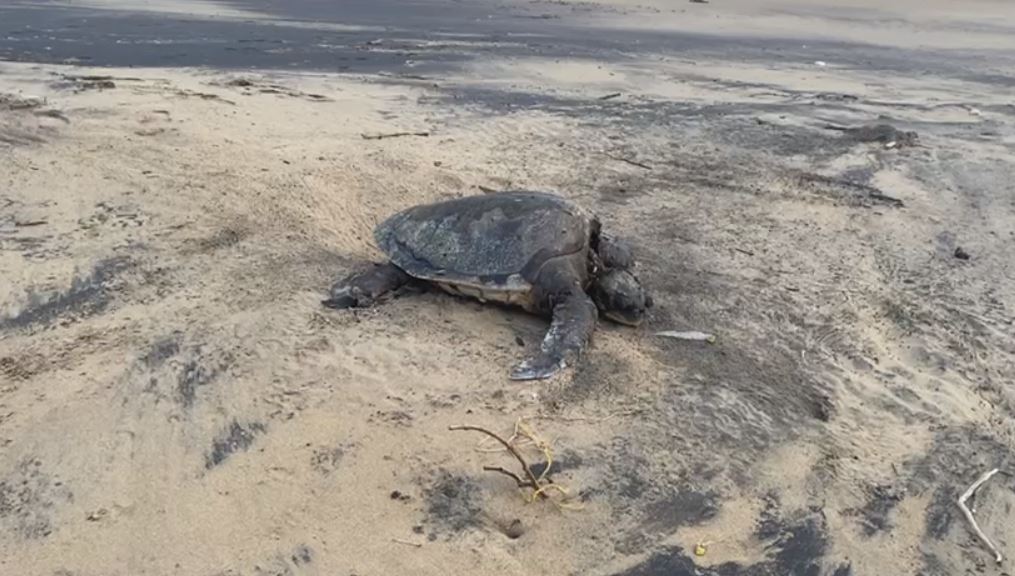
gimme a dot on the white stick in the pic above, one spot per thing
(691, 335)
(969, 515)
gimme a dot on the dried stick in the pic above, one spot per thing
(393, 135)
(543, 446)
(969, 515)
(506, 444)
(521, 483)
(629, 161)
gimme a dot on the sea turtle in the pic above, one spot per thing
(534, 250)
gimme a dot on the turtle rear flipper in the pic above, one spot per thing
(574, 320)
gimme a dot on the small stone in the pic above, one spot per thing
(961, 254)
(97, 515)
(519, 341)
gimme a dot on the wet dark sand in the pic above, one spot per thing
(406, 38)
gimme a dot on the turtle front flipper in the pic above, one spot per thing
(361, 289)
(574, 320)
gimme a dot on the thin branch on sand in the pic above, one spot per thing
(518, 456)
(969, 515)
(521, 483)
(629, 161)
(393, 135)
(542, 485)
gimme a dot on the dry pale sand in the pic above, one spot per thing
(174, 399)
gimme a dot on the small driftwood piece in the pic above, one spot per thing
(28, 223)
(521, 483)
(969, 515)
(52, 114)
(532, 481)
(393, 135)
(629, 161)
(692, 335)
(540, 484)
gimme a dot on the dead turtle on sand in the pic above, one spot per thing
(534, 250)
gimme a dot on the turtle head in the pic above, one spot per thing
(620, 297)
(614, 253)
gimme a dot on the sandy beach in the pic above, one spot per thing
(175, 400)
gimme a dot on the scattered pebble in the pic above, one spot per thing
(97, 515)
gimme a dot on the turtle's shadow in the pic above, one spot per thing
(526, 327)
